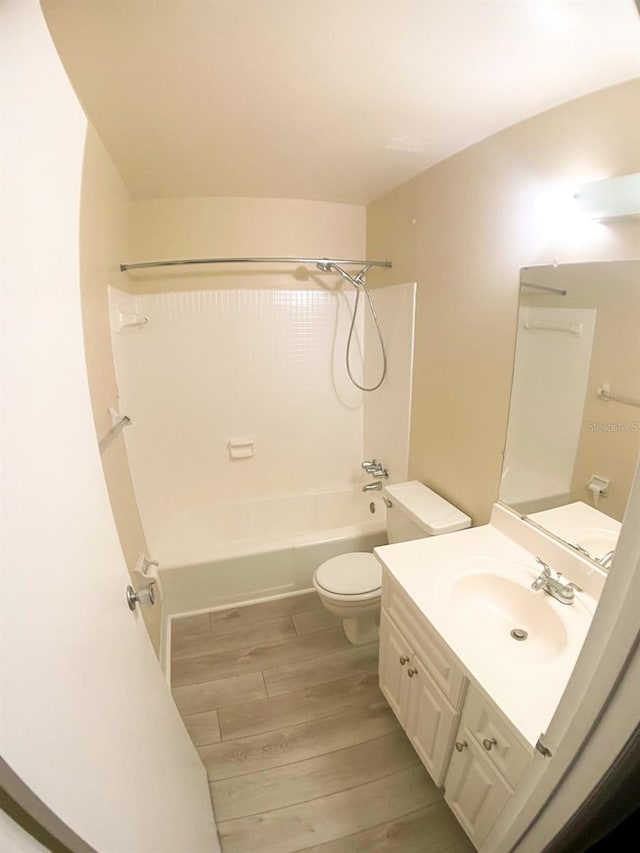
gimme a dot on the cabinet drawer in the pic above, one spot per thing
(495, 737)
(439, 663)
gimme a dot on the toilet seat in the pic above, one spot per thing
(350, 576)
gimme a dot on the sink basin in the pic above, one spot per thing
(492, 606)
(596, 542)
(474, 588)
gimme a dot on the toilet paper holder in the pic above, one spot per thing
(599, 487)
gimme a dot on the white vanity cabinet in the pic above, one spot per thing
(463, 740)
(488, 760)
(420, 682)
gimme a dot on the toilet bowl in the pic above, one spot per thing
(350, 585)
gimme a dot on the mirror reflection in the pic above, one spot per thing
(573, 437)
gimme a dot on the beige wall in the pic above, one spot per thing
(239, 227)
(610, 434)
(463, 229)
(104, 216)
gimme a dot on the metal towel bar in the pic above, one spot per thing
(605, 393)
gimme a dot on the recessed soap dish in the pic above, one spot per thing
(241, 448)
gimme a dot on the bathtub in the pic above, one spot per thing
(233, 552)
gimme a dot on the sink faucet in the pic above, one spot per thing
(606, 559)
(564, 593)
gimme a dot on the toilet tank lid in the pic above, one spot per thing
(428, 509)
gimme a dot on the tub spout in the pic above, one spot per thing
(372, 487)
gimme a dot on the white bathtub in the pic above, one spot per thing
(241, 551)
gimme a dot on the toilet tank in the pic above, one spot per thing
(416, 512)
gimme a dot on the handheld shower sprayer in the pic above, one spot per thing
(358, 282)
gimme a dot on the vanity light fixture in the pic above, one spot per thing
(610, 199)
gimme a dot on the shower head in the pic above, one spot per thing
(357, 280)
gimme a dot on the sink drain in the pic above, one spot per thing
(519, 634)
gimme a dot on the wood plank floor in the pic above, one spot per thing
(301, 749)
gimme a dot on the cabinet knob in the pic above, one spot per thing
(461, 744)
(412, 672)
(403, 659)
(488, 743)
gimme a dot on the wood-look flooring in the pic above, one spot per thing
(301, 749)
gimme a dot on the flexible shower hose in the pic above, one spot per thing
(382, 347)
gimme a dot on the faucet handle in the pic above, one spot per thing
(546, 569)
(379, 471)
(575, 586)
(580, 550)
(368, 464)
(540, 581)
(606, 559)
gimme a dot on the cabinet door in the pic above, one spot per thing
(424, 641)
(395, 656)
(431, 721)
(474, 789)
(498, 740)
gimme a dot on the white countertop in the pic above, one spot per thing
(524, 679)
(581, 524)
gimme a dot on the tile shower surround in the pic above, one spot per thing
(267, 364)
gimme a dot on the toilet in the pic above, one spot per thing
(350, 585)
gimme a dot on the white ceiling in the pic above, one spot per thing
(336, 100)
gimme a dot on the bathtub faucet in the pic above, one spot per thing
(375, 468)
(372, 487)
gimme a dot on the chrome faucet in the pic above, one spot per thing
(375, 468)
(564, 593)
(606, 559)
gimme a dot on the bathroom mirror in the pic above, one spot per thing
(573, 435)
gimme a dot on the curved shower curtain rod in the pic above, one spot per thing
(316, 261)
(324, 265)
